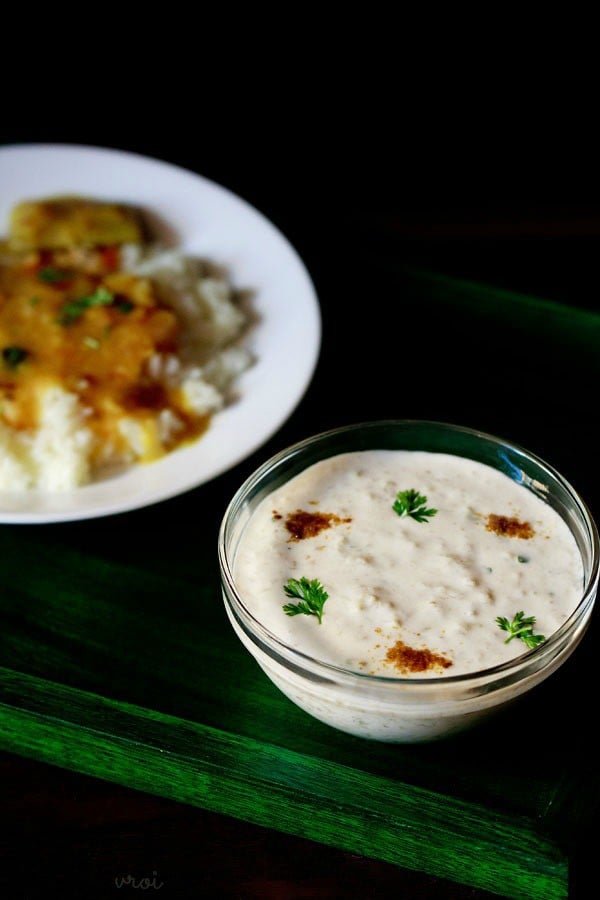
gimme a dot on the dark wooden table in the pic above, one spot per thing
(73, 836)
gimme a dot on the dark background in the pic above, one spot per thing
(458, 182)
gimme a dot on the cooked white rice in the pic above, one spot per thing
(53, 458)
(206, 363)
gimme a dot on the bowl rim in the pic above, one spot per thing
(530, 660)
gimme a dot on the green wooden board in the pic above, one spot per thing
(117, 660)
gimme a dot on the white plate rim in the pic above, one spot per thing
(262, 384)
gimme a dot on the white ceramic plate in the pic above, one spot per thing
(213, 223)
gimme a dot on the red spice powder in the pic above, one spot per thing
(302, 524)
(509, 527)
(410, 659)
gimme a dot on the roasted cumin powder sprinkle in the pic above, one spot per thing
(302, 524)
(410, 659)
(509, 527)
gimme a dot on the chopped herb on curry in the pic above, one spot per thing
(14, 356)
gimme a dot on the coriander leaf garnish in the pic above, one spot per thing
(73, 310)
(14, 356)
(411, 503)
(50, 275)
(124, 306)
(312, 596)
(522, 628)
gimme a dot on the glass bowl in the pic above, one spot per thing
(405, 709)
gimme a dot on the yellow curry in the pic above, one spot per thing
(69, 315)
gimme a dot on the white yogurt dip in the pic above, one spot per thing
(408, 598)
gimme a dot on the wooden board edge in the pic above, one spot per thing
(278, 788)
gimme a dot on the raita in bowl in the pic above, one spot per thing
(400, 580)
